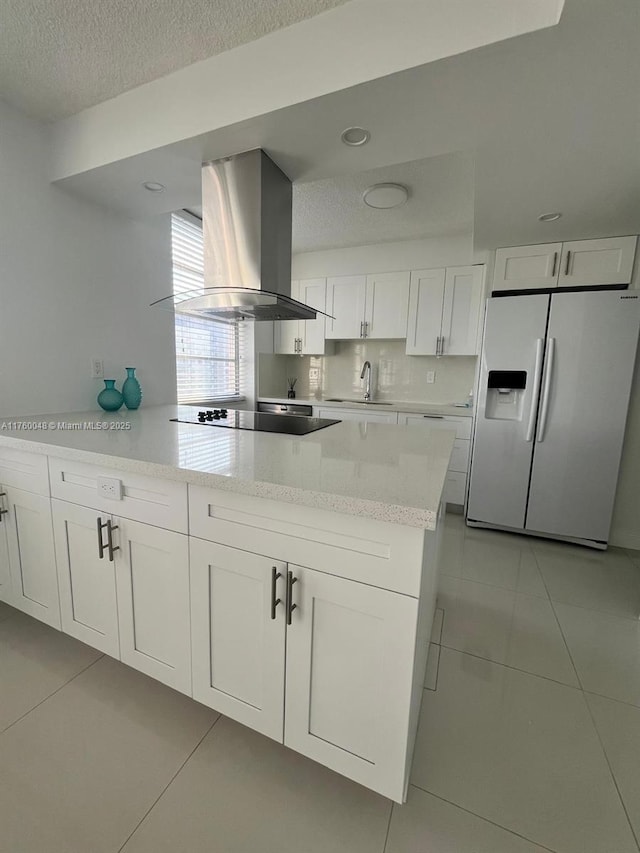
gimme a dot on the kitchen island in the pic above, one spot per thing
(288, 582)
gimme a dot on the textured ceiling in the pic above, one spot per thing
(330, 213)
(59, 56)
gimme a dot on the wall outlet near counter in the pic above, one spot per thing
(431, 377)
(110, 487)
(97, 368)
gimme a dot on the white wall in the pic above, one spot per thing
(385, 257)
(75, 283)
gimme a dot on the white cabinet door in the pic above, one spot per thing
(31, 555)
(87, 581)
(152, 582)
(238, 635)
(387, 305)
(313, 292)
(463, 295)
(361, 415)
(350, 651)
(527, 267)
(5, 570)
(426, 301)
(346, 300)
(286, 333)
(593, 262)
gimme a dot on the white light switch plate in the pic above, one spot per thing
(110, 487)
(431, 377)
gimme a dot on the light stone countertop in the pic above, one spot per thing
(418, 408)
(381, 471)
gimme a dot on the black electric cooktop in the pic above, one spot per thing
(258, 421)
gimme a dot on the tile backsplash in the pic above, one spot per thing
(396, 376)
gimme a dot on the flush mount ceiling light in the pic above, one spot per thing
(385, 196)
(355, 136)
(549, 217)
(154, 186)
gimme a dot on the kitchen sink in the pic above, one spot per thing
(364, 402)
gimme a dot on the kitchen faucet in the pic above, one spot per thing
(366, 368)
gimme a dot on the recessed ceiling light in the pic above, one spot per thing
(385, 196)
(355, 136)
(154, 187)
(549, 217)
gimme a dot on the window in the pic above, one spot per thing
(207, 357)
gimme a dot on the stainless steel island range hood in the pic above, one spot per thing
(246, 206)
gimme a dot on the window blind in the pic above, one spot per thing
(207, 351)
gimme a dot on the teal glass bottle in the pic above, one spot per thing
(131, 390)
(110, 398)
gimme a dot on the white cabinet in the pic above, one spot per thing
(372, 306)
(455, 487)
(386, 305)
(5, 570)
(346, 300)
(152, 581)
(527, 267)
(238, 634)
(88, 600)
(444, 311)
(365, 415)
(29, 540)
(304, 337)
(349, 660)
(581, 263)
(124, 589)
(341, 652)
(596, 262)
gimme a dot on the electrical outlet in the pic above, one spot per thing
(431, 377)
(97, 368)
(110, 487)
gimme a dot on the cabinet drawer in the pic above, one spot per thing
(462, 426)
(455, 486)
(377, 553)
(24, 470)
(152, 500)
(460, 456)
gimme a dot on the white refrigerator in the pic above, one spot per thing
(555, 379)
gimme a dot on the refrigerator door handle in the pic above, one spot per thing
(548, 372)
(535, 397)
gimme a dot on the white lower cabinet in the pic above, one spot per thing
(325, 668)
(350, 652)
(378, 414)
(5, 569)
(238, 634)
(124, 589)
(32, 565)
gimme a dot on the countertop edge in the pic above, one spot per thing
(343, 505)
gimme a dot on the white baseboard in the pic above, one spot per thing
(625, 539)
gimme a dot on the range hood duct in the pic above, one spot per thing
(246, 206)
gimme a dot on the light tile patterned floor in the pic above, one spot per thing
(529, 738)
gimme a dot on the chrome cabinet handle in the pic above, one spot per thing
(434, 417)
(366, 328)
(566, 269)
(101, 545)
(362, 328)
(275, 574)
(290, 605)
(442, 340)
(3, 511)
(555, 264)
(537, 372)
(110, 528)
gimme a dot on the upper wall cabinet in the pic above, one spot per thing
(444, 311)
(371, 306)
(581, 263)
(304, 337)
